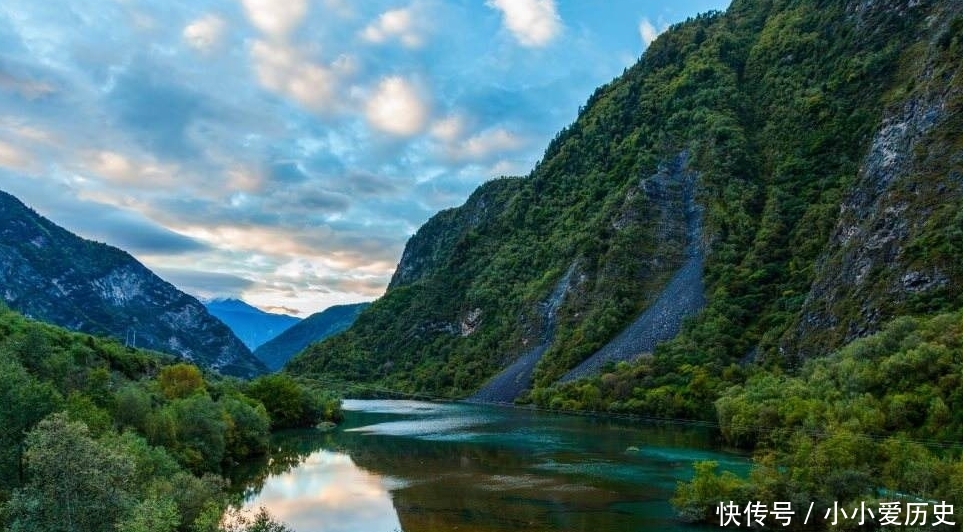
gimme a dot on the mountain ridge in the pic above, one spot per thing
(252, 325)
(276, 352)
(52, 275)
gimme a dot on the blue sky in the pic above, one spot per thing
(284, 151)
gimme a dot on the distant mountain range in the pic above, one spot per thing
(314, 328)
(251, 324)
(49, 274)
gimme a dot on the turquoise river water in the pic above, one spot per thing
(426, 467)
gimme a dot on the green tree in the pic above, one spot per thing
(201, 429)
(23, 402)
(153, 514)
(180, 380)
(75, 482)
(288, 403)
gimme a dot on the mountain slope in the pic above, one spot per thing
(825, 141)
(251, 324)
(316, 327)
(52, 275)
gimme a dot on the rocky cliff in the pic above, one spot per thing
(52, 275)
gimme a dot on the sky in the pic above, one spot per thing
(284, 151)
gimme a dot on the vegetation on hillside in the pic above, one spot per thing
(880, 420)
(95, 436)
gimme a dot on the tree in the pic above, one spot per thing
(154, 514)
(75, 482)
(25, 401)
(287, 402)
(261, 522)
(201, 430)
(180, 381)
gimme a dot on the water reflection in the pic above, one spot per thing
(422, 467)
(328, 492)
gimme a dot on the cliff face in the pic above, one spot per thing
(823, 143)
(897, 241)
(51, 275)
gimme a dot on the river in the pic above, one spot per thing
(425, 467)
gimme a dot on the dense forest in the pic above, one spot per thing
(880, 420)
(96, 436)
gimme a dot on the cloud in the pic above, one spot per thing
(11, 157)
(397, 108)
(448, 129)
(648, 32)
(204, 284)
(496, 141)
(534, 23)
(205, 33)
(284, 69)
(135, 235)
(400, 24)
(158, 111)
(26, 88)
(119, 169)
(275, 18)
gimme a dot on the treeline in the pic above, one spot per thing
(95, 436)
(880, 420)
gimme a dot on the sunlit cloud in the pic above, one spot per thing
(275, 18)
(448, 129)
(401, 24)
(534, 23)
(284, 69)
(12, 157)
(397, 108)
(496, 141)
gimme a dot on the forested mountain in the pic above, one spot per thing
(252, 325)
(52, 275)
(316, 327)
(822, 141)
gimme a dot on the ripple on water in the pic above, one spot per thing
(423, 428)
(397, 407)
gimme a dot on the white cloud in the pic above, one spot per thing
(448, 129)
(494, 141)
(113, 169)
(205, 33)
(282, 68)
(534, 23)
(397, 108)
(275, 18)
(648, 32)
(400, 24)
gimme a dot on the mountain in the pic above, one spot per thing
(52, 275)
(764, 186)
(316, 327)
(251, 324)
